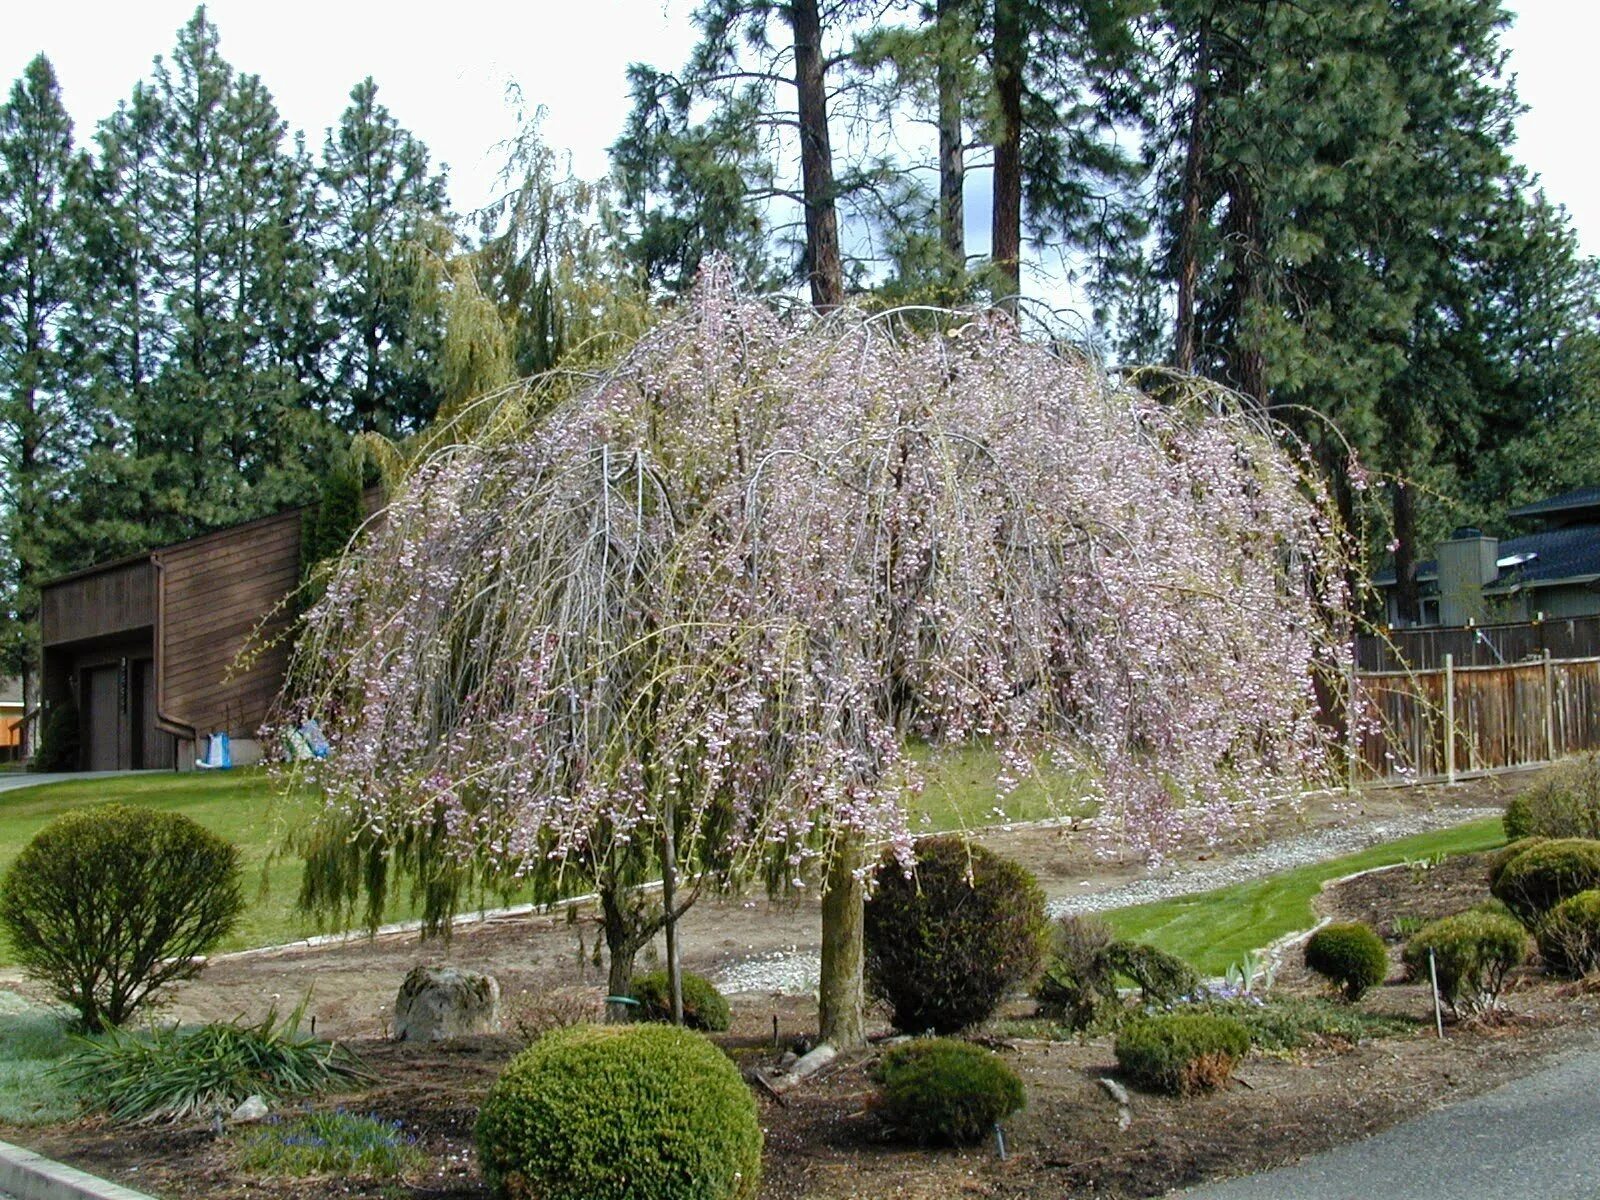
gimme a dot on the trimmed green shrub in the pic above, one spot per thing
(60, 739)
(106, 905)
(1540, 878)
(1182, 1053)
(620, 1112)
(1569, 935)
(1474, 952)
(947, 1092)
(1350, 956)
(1507, 854)
(945, 946)
(173, 1072)
(1078, 986)
(704, 1007)
(1563, 803)
(1162, 978)
(337, 1143)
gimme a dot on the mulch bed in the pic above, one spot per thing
(825, 1141)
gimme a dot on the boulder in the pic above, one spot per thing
(445, 1002)
(253, 1108)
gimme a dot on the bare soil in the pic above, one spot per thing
(825, 1142)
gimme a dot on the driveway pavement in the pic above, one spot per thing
(1535, 1137)
(10, 781)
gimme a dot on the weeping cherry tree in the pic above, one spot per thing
(694, 616)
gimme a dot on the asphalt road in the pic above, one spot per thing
(1535, 1137)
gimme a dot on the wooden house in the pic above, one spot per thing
(147, 647)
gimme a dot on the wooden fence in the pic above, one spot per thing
(1441, 725)
(1478, 645)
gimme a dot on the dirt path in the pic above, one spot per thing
(757, 946)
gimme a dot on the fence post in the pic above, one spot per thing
(1449, 718)
(1351, 731)
(1549, 708)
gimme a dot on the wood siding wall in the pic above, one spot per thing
(102, 604)
(1504, 717)
(217, 591)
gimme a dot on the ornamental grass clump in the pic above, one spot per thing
(105, 906)
(947, 943)
(940, 1091)
(620, 1112)
(1540, 878)
(704, 1007)
(171, 1072)
(1350, 956)
(1182, 1053)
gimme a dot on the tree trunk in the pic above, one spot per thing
(843, 1021)
(952, 164)
(669, 901)
(824, 265)
(1187, 250)
(1249, 260)
(1005, 240)
(1408, 602)
(624, 940)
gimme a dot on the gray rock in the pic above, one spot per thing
(252, 1108)
(445, 1002)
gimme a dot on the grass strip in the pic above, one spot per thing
(1214, 930)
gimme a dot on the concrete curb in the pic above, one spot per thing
(30, 1176)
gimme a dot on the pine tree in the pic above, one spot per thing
(41, 175)
(379, 190)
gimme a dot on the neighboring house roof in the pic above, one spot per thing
(1578, 498)
(11, 692)
(1570, 555)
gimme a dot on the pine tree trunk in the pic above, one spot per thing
(843, 1020)
(824, 264)
(952, 164)
(1187, 250)
(1408, 601)
(1005, 241)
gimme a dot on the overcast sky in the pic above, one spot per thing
(445, 74)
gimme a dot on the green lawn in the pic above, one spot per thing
(244, 807)
(1214, 930)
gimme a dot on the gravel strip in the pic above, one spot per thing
(1269, 860)
(795, 972)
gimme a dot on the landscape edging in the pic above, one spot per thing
(29, 1176)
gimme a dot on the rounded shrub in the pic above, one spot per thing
(944, 946)
(948, 1092)
(108, 904)
(1473, 953)
(620, 1112)
(1350, 956)
(1182, 1053)
(1507, 854)
(1540, 878)
(704, 1007)
(1563, 803)
(1569, 935)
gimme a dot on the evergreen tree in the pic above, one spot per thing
(379, 190)
(40, 177)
